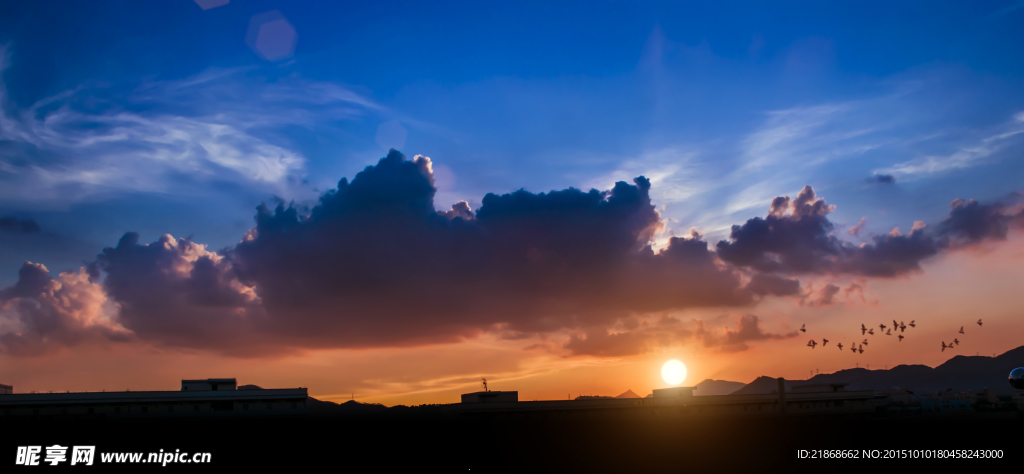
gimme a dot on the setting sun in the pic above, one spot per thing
(674, 372)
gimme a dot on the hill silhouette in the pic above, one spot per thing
(717, 387)
(959, 373)
(349, 408)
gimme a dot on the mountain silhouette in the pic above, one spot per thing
(958, 373)
(628, 394)
(351, 407)
(717, 387)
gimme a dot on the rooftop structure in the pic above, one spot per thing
(673, 392)
(820, 387)
(6, 389)
(680, 401)
(490, 397)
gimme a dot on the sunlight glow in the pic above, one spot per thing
(674, 372)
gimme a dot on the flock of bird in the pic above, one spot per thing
(883, 329)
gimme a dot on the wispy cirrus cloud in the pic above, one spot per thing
(972, 154)
(211, 127)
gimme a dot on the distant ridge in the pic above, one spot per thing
(717, 387)
(628, 394)
(958, 373)
(351, 407)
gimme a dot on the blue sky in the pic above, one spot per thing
(168, 118)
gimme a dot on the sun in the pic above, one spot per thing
(674, 372)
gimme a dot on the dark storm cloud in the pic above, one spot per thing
(970, 221)
(374, 264)
(796, 238)
(14, 224)
(883, 178)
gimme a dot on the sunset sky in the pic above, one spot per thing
(392, 200)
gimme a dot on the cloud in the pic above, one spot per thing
(970, 221)
(965, 156)
(178, 293)
(600, 342)
(528, 262)
(796, 238)
(884, 178)
(855, 230)
(823, 296)
(766, 284)
(748, 329)
(157, 136)
(39, 315)
(374, 264)
(14, 224)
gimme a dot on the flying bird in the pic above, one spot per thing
(956, 341)
(865, 342)
(903, 327)
(894, 323)
(803, 328)
(812, 344)
(901, 338)
(881, 326)
(979, 322)
(861, 350)
(943, 346)
(853, 348)
(961, 329)
(888, 332)
(823, 342)
(863, 329)
(871, 331)
(840, 346)
(912, 324)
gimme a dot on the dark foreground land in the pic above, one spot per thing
(373, 444)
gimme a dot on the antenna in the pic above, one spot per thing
(484, 381)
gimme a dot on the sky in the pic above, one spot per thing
(390, 201)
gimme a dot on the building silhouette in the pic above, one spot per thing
(197, 398)
(810, 399)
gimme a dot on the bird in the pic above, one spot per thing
(803, 328)
(812, 344)
(943, 346)
(863, 329)
(961, 329)
(888, 333)
(894, 325)
(861, 350)
(840, 346)
(881, 326)
(956, 341)
(912, 324)
(901, 338)
(853, 348)
(979, 322)
(865, 342)
(823, 342)
(871, 331)
(903, 327)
